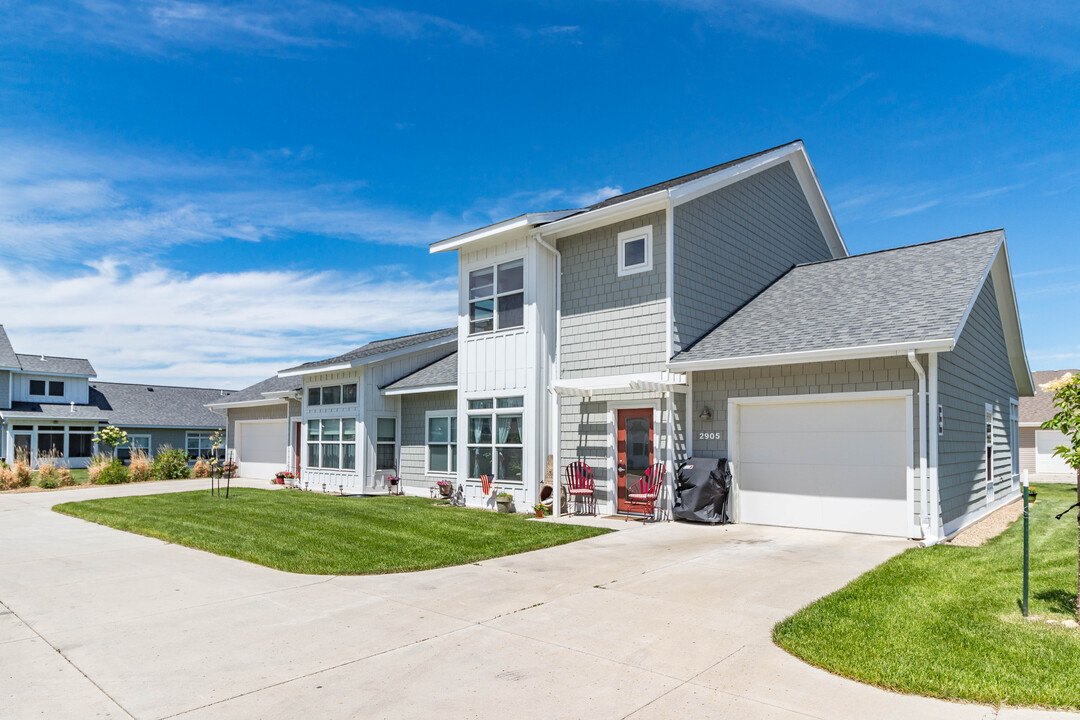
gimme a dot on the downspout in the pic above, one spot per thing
(934, 487)
(924, 491)
(556, 373)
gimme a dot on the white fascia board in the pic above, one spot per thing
(421, 389)
(370, 359)
(1032, 424)
(35, 373)
(848, 353)
(521, 221)
(602, 216)
(282, 394)
(615, 383)
(245, 403)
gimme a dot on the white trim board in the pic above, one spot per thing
(823, 355)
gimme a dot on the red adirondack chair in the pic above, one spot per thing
(579, 485)
(644, 493)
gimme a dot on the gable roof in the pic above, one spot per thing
(672, 192)
(1040, 407)
(439, 375)
(376, 348)
(49, 365)
(916, 297)
(255, 393)
(7, 353)
(133, 405)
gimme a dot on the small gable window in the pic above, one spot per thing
(56, 388)
(37, 387)
(635, 251)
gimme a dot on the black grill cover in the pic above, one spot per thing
(702, 486)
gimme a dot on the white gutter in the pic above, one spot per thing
(924, 490)
(824, 355)
(556, 370)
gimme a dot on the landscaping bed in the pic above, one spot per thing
(327, 535)
(945, 621)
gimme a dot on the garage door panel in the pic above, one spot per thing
(845, 416)
(837, 465)
(262, 448)
(823, 447)
(856, 481)
(1045, 460)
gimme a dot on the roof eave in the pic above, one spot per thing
(369, 359)
(419, 389)
(488, 231)
(822, 355)
(244, 403)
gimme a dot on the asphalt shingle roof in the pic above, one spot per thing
(46, 365)
(910, 294)
(378, 347)
(8, 358)
(441, 372)
(1040, 408)
(255, 392)
(133, 405)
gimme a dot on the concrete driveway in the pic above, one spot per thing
(670, 620)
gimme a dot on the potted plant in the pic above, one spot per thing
(445, 488)
(393, 482)
(540, 509)
(1032, 494)
(504, 500)
(284, 476)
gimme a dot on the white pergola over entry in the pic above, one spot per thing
(639, 382)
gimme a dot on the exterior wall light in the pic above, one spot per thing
(706, 414)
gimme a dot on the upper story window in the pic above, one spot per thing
(332, 394)
(52, 388)
(635, 251)
(497, 297)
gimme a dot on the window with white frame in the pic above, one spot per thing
(200, 445)
(386, 443)
(989, 453)
(80, 441)
(497, 297)
(1014, 436)
(495, 438)
(331, 443)
(442, 442)
(332, 395)
(635, 250)
(135, 442)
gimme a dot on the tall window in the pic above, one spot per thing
(332, 394)
(80, 441)
(50, 441)
(989, 453)
(386, 443)
(442, 442)
(495, 438)
(199, 445)
(332, 444)
(497, 297)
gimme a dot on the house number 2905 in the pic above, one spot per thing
(709, 436)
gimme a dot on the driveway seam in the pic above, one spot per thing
(69, 661)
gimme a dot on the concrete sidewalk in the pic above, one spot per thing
(666, 620)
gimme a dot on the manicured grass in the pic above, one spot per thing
(327, 535)
(945, 621)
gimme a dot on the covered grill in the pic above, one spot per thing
(702, 488)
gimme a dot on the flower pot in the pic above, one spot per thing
(539, 515)
(446, 490)
(504, 505)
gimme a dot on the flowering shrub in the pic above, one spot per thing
(444, 483)
(171, 464)
(111, 437)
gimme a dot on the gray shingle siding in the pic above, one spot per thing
(976, 372)
(414, 409)
(612, 325)
(5, 389)
(734, 242)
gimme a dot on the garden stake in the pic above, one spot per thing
(1025, 605)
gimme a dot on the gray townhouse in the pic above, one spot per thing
(717, 314)
(55, 405)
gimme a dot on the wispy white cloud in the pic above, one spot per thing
(161, 26)
(57, 199)
(152, 324)
(514, 204)
(1043, 28)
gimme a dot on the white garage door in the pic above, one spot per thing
(825, 465)
(261, 448)
(1045, 461)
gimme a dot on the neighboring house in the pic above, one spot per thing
(264, 427)
(53, 404)
(1037, 445)
(717, 314)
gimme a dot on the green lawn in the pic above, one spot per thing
(945, 621)
(327, 535)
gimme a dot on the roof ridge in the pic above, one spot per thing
(899, 247)
(402, 337)
(178, 387)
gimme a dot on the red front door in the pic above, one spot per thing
(634, 435)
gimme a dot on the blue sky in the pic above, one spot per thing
(203, 192)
